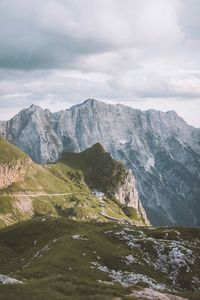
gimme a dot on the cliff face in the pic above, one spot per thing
(13, 172)
(127, 195)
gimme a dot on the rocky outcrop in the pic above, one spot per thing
(9, 280)
(3, 129)
(162, 150)
(13, 171)
(127, 195)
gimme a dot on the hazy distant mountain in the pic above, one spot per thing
(161, 148)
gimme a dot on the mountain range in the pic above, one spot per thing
(72, 224)
(161, 149)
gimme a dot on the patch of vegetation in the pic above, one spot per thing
(100, 170)
(9, 152)
(130, 212)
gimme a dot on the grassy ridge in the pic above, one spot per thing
(99, 169)
(75, 174)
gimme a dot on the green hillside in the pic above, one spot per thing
(9, 152)
(57, 258)
(65, 188)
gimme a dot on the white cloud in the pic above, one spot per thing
(148, 85)
(117, 23)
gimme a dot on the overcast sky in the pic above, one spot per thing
(142, 53)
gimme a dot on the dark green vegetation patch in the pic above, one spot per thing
(101, 172)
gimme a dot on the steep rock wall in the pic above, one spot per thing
(127, 195)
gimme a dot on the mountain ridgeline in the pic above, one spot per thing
(81, 186)
(161, 149)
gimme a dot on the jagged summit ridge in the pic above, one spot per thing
(161, 149)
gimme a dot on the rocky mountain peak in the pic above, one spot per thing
(90, 102)
(34, 108)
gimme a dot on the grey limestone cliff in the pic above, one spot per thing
(127, 195)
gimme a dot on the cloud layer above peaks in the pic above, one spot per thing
(139, 52)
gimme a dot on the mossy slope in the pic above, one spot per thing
(9, 152)
(100, 171)
(53, 265)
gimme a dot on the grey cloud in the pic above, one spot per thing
(40, 51)
(144, 86)
(54, 33)
(28, 44)
(189, 18)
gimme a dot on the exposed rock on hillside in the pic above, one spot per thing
(8, 280)
(13, 172)
(127, 194)
(14, 164)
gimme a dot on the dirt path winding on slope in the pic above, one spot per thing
(38, 195)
